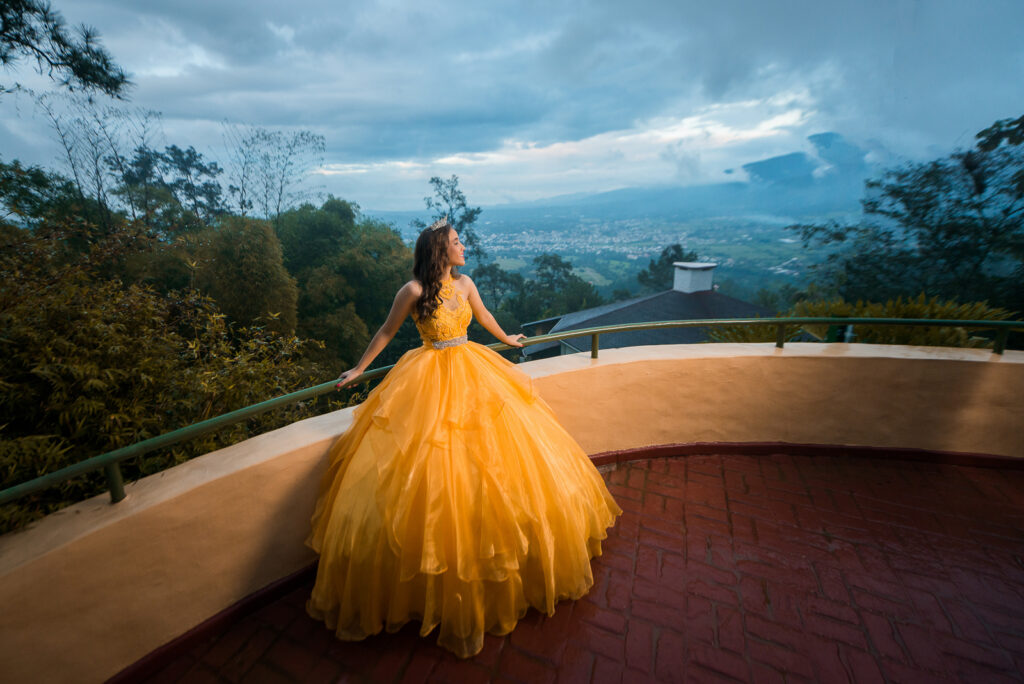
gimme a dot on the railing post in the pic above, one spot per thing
(593, 345)
(1000, 344)
(780, 335)
(115, 482)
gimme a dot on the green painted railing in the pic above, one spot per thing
(110, 461)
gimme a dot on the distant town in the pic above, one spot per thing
(609, 253)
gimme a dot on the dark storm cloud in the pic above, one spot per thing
(600, 66)
(392, 80)
(410, 81)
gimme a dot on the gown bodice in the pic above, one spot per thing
(450, 319)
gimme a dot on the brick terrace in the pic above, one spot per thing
(728, 568)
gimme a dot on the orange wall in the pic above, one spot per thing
(964, 401)
(93, 588)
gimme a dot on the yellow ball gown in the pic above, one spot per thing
(455, 498)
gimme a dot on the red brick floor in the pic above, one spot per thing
(728, 568)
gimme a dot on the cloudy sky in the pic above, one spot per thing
(525, 100)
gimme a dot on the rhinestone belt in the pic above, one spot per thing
(454, 342)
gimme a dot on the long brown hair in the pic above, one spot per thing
(430, 265)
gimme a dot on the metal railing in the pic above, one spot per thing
(110, 461)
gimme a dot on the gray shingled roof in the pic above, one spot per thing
(670, 305)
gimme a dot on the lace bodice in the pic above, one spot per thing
(450, 319)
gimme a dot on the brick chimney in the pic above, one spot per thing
(692, 276)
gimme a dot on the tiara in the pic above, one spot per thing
(439, 223)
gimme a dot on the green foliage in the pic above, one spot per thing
(785, 296)
(621, 294)
(502, 293)
(780, 298)
(240, 265)
(1009, 131)
(557, 289)
(952, 228)
(193, 182)
(86, 367)
(495, 284)
(89, 364)
(552, 272)
(171, 192)
(921, 307)
(27, 193)
(30, 28)
(515, 300)
(659, 274)
(348, 269)
(164, 267)
(752, 333)
(375, 265)
(310, 236)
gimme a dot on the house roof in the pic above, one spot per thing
(669, 305)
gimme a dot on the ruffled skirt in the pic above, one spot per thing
(455, 499)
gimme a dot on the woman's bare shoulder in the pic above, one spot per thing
(464, 284)
(413, 288)
(464, 280)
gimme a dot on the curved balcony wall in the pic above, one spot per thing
(93, 588)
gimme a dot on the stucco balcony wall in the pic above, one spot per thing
(93, 588)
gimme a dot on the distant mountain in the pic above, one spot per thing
(796, 169)
(845, 158)
(793, 185)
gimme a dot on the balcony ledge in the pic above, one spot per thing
(190, 541)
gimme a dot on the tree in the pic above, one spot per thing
(194, 182)
(171, 192)
(112, 157)
(89, 363)
(85, 139)
(450, 201)
(952, 228)
(553, 272)
(27, 193)
(267, 170)
(88, 366)
(310, 235)
(660, 273)
(241, 266)
(348, 269)
(30, 28)
(41, 208)
(1010, 131)
(496, 284)
(149, 197)
(576, 295)
(555, 290)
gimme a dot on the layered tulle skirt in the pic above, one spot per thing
(456, 499)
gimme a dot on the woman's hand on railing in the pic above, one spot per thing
(348, 377)
(513, 340)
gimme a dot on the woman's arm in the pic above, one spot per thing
(487, 320)
(402, 306)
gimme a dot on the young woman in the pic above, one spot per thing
(455, 498)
